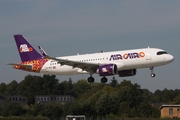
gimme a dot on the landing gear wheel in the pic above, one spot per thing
(153, 75)
(90, 79)
(104, 79)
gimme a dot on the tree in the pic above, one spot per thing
(132, 94)
(53, 110)
(12, 109)
(11, 88)
(2, 88)
(37, 85)
(108, 103)
(124, 110)
(50, 85)
(147, 95)
(113, 82)
(29, 87)
(66, 88)
(38, 109)
(90, 98)
(176, 100)
(158, 96)
(165, 95)
(102, 104)
(81, 87)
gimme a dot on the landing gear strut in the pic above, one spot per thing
(90, 79)
(104, 79)
(152, 74)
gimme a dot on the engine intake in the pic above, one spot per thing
(124, 73)
(107, 70)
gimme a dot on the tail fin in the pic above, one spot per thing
(42, 51)
(26, 51)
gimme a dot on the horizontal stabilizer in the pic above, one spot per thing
(20, 65)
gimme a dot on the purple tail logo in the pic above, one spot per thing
(25, 48)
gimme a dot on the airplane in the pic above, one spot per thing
(123, 63)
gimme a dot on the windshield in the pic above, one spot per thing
(161, 52)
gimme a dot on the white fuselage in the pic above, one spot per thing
(127, 59)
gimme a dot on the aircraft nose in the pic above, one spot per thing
(170, 58)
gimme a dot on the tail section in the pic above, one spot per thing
(25, 49)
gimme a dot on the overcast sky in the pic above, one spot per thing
(66, 27)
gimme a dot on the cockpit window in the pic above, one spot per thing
(161, 52)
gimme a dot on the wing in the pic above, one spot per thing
(20, 65)
(89, 67)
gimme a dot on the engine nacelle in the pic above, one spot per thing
(125, 73)
(106, 70)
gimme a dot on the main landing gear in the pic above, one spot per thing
(104, 79)
(152, 74)
(91, 79)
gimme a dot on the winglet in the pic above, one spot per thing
(42, 51)
(25, 49)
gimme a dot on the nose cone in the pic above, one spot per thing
(170, 58)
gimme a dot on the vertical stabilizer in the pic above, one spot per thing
(26, 51)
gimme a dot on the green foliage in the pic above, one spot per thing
(36, 85)
(81, 86)
(66, 88)
(2, 88)
(176, 100)
(113, 82)
(147, 95)
(24, 118)
(112, 117)
(12, 109)
(11, 88)
(53, 110)
(37, 109)
(95, 100)
(165, 95)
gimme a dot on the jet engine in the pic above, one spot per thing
(106, 70)
(124, 73)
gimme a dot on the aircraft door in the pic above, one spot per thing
(148, 55)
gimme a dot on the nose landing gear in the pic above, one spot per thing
(152, 74)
